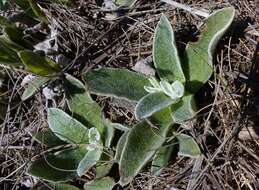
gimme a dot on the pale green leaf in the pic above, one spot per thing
(198, 59)
(52, 169)
(119, 83)
(40, 65)
(106, 183)
(81, 104)
(47, 137)
(141, 144)
(187, 146)
(57, 167)
(125, 3)
(120, 127)
(89, 160)
(184, 110)
(151, 104)
(165, 54)
(61, 186)
(67, 128)
(161, 159)
(34, 86)
(120, 146)
(105, 164)
(108, 133)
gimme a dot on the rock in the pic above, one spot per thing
(144, 66)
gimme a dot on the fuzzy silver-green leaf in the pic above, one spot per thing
(184, 110)
(81, 104)
(67, 128)
(89, 160)
(141, 144)
(188, 146)
(34, 86)
(198, 58)
(151, 104)
(106, 183)
(161, 159)
(57, 167)
(165, 53)
(119, 83)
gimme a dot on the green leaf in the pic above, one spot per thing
(40, 15)
(125, 3)
(81, 104)
(57, 167)
(184, 110)
(106, 162)
(40, 65)
(106, 183)
(2, 4)
(151, 104)
(4, 22)
(120, 127)
(25, 5)
(47, 137)
(161, 159)
(11, 45)
(141, 144)
(89, 160)
(120, 146)
(8, 56)
(198, 58)
(16, 35)
(67, 128)
(187, 146)
(119, 83)
(34, 86)
(166, 58)
(109, 133)
(60, 186)
(52, 169)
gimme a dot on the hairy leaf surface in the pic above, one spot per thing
(34, 86)
(81, 104)
(67, 128)
(187, 146)
(161, 159)
(89, 160)
(184, 109)
(151, 104)
(198, 58)
(141, 144)
(119, 83)
(57, 167)
(106, 183)
(166, 58)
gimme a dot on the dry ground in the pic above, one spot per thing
(227, 121)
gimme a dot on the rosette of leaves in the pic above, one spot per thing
(74, 143)
(162, 101)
